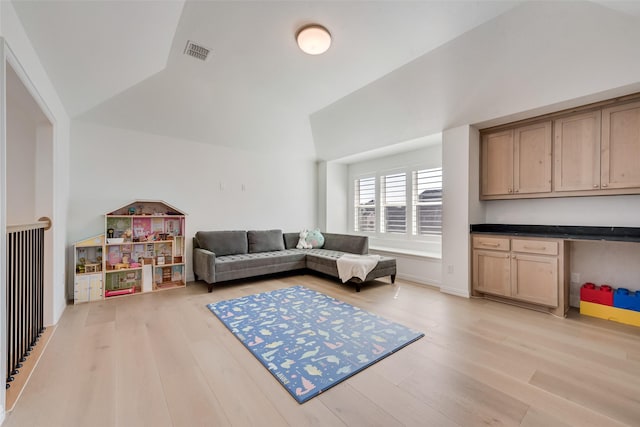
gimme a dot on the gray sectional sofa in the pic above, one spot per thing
(219, 256)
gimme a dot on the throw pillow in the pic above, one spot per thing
(223, 242)
(302, 242)
(315, 238)
(265, 240)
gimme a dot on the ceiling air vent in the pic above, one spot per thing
(196, 50)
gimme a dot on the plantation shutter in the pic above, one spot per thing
(365, 204)
(393, 204)
(427, 201)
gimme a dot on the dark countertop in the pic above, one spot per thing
(620, 234)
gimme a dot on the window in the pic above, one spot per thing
(365, 204)
(393, 203)
(400, 203)
(427, 202)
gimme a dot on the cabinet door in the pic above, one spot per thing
(95, 287)
(497, 163)
(621, 146)
(491, 272)
(577, 152)
(532, 159)
(534, 278)
(81, 289)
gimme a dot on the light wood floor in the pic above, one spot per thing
(164, 360)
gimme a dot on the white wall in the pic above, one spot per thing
(21, 168)
(532, 58)
(24, 60)
(336, 198)
(426, 270)
(622, 211)
(611, 263)
(322, 195)
(3, 221)
(426, 157)
(220, 188)
(536, 58)
(17, 49)
(461, 206)
(416, 260)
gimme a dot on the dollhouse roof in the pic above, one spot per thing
(148, 207)
(91, 241)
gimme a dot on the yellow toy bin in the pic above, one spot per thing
(620, 315)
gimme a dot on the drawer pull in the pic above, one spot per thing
(492, 245)
(535, 248)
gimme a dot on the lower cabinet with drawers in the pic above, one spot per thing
(524, 270)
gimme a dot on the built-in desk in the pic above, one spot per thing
(529, 264)
(566, 232)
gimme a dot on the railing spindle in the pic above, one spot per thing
(25, 292)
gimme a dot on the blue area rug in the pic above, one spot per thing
(310, 341)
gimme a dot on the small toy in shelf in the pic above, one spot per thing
(92, 268)
(116, 292)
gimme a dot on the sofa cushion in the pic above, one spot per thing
(291, 240)
(223, 242)
(258, 260)
(346, 243)
(265, 240)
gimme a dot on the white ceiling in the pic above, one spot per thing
(121, 63)
(92, 50)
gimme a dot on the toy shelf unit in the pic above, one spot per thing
(89, 263)
(144, 239)
(142, 250)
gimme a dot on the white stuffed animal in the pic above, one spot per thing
(302, 242)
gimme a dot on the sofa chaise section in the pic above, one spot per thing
(227, 255)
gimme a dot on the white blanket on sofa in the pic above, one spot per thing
(351, 265)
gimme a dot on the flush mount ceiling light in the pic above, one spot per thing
(313, 39)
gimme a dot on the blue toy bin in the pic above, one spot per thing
(626, 299)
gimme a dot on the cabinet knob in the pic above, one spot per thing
(513, 256)
(516, 190)
(510, 190)
(604, 185)
(595, 185)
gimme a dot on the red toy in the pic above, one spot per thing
(589, 292)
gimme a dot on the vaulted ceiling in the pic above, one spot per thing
(121, 63)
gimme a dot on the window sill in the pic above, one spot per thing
(413, 253)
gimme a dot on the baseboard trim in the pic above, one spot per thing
(455, 291)
(419, 279)
(29, 366)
